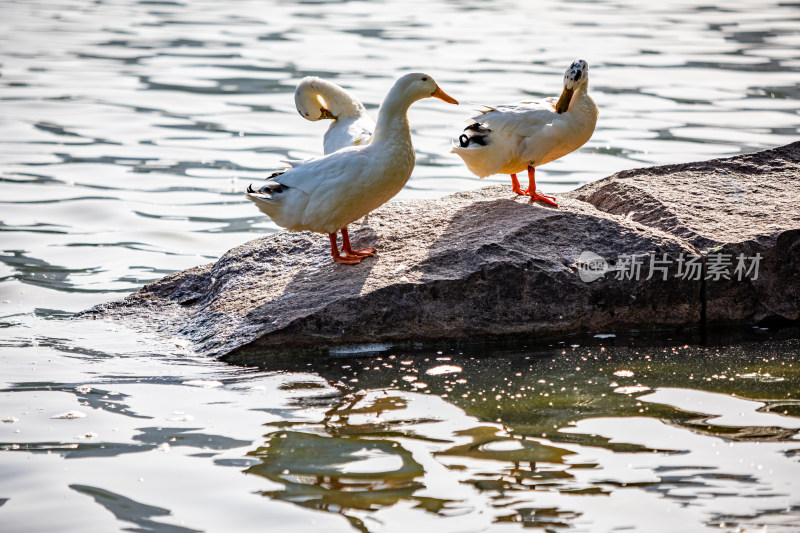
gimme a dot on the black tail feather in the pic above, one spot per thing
(475, 133)
(269, 189)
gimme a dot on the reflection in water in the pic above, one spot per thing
(132, 511)
(337, 474)
(662, 427)
(566, 437)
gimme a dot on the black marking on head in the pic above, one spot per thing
(576, 70)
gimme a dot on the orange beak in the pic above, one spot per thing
(563, 102)
(441, 95)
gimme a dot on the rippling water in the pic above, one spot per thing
(129, 130)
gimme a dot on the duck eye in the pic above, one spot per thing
(424, 79)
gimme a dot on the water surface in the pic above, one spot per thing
(129, 131)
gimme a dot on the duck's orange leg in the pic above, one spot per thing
(349, 252)
(515, 185)
(531, 190)
(344, 259)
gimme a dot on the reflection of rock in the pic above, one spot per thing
(345, 472)
(485, 263)
(368, 451)
(363, 453)
(487, 445)
(386, 450)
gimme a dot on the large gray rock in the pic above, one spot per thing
(487, 263)
(749, 204)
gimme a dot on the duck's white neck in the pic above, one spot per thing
(339, 102)
(392, 124)
(581, 99)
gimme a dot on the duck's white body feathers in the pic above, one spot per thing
(351, 125)
(324, 195)
(510, 138)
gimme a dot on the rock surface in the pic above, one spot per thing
(487, 263)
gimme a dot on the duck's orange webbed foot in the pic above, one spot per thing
(348, 251)
(347, 260)
(550, 200)
(363, 252)
(339, 258)
(531, 190)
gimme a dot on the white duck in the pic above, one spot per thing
(318, 99)
(355, 180)
(511, 138)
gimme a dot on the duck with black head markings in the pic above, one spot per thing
(510, 138)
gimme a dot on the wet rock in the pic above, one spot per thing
(487, 263)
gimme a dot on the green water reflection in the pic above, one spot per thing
(533, 433)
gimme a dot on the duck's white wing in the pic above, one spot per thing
(532, 130)
(361, 135)
(308, 177)
(362, 129)
(519, 107)
(523, 118)
(549, 142)
(348, 132)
